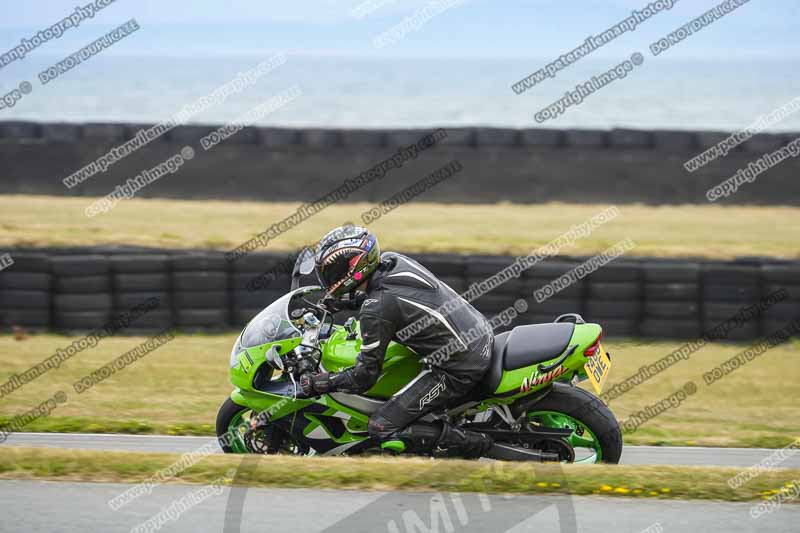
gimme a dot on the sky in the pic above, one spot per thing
(471, 28)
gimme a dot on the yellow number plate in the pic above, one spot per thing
(597, 368)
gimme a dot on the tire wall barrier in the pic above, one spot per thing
(649, 298)
(521, 166)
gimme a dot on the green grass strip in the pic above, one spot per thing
(395, 473)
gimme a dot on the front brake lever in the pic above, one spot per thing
(318, 307)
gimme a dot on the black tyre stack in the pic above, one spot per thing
(614, 298)
(727, 289)
(476, 270)
(136, 279)
(82, 297)
(257, 280)
(200, 297)
(570, 299)
(672, 301)
(655, 299)
(773, 278)
(25, 289)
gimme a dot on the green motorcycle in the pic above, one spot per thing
(528, 398)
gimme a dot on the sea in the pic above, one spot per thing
(340, 91)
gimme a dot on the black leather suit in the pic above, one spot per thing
(457, 343)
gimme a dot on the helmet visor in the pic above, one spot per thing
(332, 273)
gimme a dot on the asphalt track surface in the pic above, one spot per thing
(71, 506)
(32, 506)
(631, 455)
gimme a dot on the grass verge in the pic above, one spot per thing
(711, 231)
(409, 474)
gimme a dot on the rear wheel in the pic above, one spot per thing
(596, 436)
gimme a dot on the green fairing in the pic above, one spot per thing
(276, 405)
(361, 418)
(400, 365)
(317, 423)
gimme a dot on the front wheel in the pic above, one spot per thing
(236, 436)
(232, 422)
(596, 436)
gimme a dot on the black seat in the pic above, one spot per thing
(524, 346)
(536, 343)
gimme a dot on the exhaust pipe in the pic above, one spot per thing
(506, 452)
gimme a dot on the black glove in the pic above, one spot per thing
(315, 384)
(306, 365)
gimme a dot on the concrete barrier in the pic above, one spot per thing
(500, 164)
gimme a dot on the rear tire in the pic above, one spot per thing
(590, 411)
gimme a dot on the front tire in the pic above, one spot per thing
(235, 436)
(586, 409)
(229, 416)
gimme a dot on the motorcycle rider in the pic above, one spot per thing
(393, 292)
